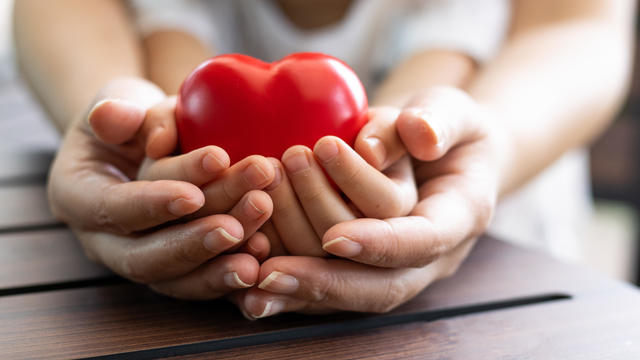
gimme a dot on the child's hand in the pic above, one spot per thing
(392, 260)
(115, 218)
(306, 205)
(234, 190)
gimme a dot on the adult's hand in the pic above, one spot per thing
(390, 261)
(92, 188)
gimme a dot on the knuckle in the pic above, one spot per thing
(227, 192)
(382, 251)
(212, 288)
(393, 296)
(132, 269)
(319, 290)
(310, 195)
(187, 254)
(353, 178)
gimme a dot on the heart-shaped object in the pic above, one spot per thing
(248, 107)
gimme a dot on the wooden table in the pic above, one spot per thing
(505, 302)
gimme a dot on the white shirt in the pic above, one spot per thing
(372, 37)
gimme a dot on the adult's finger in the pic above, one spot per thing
(214, 279)
(166, 253)
(252, 211)
(394, 196)
(114, 204)
(441, 119)
(198, 167)
(295, 283)
(120, 108)
(289, 219)
(322, 204)
(313, 285)
(378, 141)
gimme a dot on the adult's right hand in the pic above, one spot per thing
(116, 218)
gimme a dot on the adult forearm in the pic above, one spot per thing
(69, 49)
(553, 88)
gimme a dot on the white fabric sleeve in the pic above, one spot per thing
(190, 16)
(473, 27)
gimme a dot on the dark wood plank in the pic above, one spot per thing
(43, 257)
(24, 206)
(125, 318)
(591, 327)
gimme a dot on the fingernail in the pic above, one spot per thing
(277, 178)
(377, 149)
(219, 240)
(279, 283)
(255, 176)
(233, 280)
(271, 308)
(296, 162)
(211, 164)
(327, 150)
(182, 206)
(251, 209)
(342, 247)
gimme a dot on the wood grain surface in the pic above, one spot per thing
(37, 258)
(595, 327)
(23, 207)
(129, 318)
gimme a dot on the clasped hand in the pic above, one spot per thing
(276, 236)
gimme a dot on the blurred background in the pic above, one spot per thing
(612, 243)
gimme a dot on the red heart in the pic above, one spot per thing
(248, 107)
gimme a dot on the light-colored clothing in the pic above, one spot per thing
(374, 36)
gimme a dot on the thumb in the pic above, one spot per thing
(437, 121)
(120, 108)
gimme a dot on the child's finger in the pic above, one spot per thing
(378, 141)
(252, 173)
(275, 242)
(198, 167)
(159, 132)
(166, 253)
(218, 277)
(322, 204)
(296, 232)
(257, 246)
(252, 211)
(374, 193)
